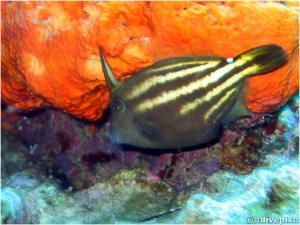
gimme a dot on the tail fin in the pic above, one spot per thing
(265, 58)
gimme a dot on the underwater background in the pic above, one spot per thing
(58, 164)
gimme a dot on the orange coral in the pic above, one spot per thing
(50, 49)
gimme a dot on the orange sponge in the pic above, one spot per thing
(50, 49)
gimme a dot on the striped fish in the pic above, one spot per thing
(182, 101)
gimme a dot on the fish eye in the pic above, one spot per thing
(119, 106)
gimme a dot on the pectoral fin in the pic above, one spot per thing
(147, 128)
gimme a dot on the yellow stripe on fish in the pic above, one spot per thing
(155, 80)
(218, 90)
(215, 107)
(172, 95)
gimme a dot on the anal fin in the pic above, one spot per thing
(238, 110)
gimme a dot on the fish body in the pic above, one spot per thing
(181, 101)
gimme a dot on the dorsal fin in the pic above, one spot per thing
(161, 49)
(111, 82)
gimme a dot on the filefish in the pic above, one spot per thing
(182, 101)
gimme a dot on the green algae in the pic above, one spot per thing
(125, 175)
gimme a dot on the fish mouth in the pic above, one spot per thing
(112, 137)
(118, 136)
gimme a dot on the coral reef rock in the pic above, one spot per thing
(128, 197)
